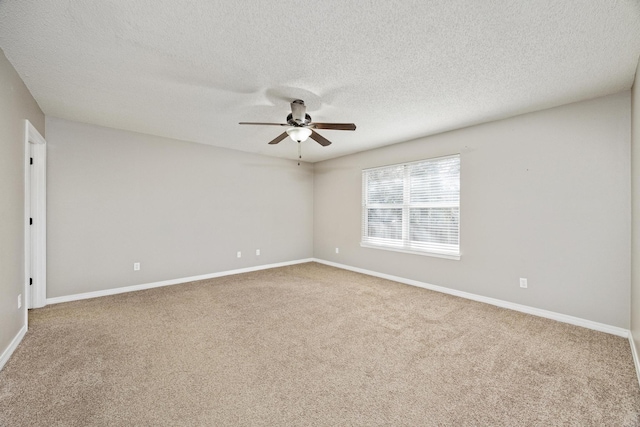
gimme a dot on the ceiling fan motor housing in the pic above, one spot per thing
(292, 122)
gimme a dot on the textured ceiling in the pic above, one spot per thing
(398, 69)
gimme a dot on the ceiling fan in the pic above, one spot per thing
(300, 126)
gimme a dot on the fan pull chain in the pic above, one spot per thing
(299, 152)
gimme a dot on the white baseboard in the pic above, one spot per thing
(6, 354)
(614, 330)
(589, 324)
(114, 291)
(634, 352)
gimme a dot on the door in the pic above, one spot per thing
(35, 218)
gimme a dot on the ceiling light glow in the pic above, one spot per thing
(299, 134)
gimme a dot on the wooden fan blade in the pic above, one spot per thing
(334, 126)
(298, 110)
(279, 138)
(266, 124)
(319, 138)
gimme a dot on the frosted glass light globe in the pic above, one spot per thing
(299, 134)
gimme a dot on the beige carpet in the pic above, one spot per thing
(311, 345)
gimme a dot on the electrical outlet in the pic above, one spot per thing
(136, 266)
(337, 250)
(523, 283)
(239, 254)
(20, 301)
(257, 251)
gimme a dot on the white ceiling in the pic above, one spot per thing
(398, 69)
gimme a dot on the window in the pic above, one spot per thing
(413, 207)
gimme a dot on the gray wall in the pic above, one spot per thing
(545, 196)
(180, 209)
(635, 212)
(16, 105)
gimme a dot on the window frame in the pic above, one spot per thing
(404, 245)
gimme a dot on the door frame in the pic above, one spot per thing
(35, 208)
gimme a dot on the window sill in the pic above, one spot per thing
(408, 251)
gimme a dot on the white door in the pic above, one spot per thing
(35, 260)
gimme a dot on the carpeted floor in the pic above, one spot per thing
(311, 345)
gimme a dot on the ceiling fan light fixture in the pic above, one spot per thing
(299, 134)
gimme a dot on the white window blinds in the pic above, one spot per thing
(413, 207)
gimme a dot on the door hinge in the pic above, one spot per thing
(30, 221)
(30, 160)
(30, 280)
